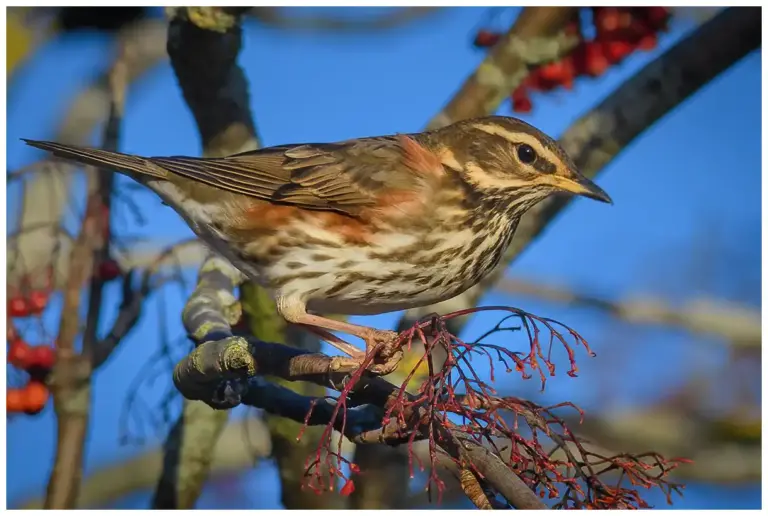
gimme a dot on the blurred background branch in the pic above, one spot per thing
(292, 19)
(738, 325)
(48, 196)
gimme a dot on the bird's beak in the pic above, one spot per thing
(578, 184)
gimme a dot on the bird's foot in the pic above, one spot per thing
(385, 348)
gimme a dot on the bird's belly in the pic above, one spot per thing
(360, 280)
(351, 283)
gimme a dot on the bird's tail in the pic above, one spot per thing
(134, 166)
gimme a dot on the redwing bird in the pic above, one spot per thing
(363, 226)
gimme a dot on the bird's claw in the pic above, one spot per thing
(386, 350)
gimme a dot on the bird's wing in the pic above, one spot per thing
(345, 177)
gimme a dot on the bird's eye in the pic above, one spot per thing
(526, 154)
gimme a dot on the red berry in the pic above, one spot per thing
(14, 400)
(615, 51)
(536, 82)
(607, 20)
(42, 356)
(348, 489)
(18, 307)
(19, 354)
(569, 72)
(521, 103)
(552, 71)
(595, 61)
(648, 42)
(485, 39)
(38, 300)
(109, 270)
(625, 18)
(354, 468)
(35, 397)
(10, 332)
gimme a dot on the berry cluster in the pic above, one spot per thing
(36, 361)
(619, 31)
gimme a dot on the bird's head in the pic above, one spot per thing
(506, 159)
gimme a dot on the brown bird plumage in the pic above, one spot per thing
(364, 226)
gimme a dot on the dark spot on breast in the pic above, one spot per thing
(318, 257)
(294, 265)
(338, 287)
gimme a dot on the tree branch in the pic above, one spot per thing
(393, 18)
(71, 376)
(739, 325)
(203, 45)
(535, 38)
(199, 375)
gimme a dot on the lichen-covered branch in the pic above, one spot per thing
(367, 400)
(536, 37)
(601, 134)
(203, 45)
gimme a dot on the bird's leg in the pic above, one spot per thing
(386, 341)
(337, 342)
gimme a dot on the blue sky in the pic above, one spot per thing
(692, 177)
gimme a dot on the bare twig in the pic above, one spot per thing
(104, 181)
(276, 17)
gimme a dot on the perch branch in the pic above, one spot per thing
(198, 376)
(203, 45)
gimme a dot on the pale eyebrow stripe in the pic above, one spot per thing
(520, 137)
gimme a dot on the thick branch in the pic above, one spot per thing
(203, 45)
(534, 38)
(198, 376)
(600, 135)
